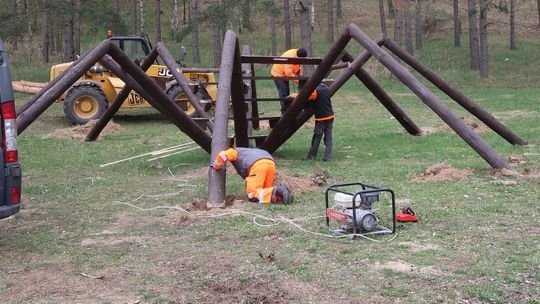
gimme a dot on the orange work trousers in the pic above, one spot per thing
(259, 183)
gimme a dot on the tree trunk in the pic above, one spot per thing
(330, 28)
(382, 17)
(305, 32)
(184, 12)
(484, 54)
(418, 25)
(391, 8)
(141, 10)
(158, 21)
(133, 16)
(457, 25)
(408, 27)
(538, 6)
(45, 35)
(397, 25)
(473, 34)
(16, 9)
(77, 34)
(287, 24)
(175, 23)
(246, 16)
(68, 39)
(513, 24)
(116, 7)
(195, 32)
(216, 42)
(274, 34)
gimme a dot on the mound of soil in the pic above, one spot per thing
(80, 132)
(442, 172)
(476, 126)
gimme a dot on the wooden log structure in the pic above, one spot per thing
(27, 87)
(254, 101)
(185, 123)
(182, 82)
(454, 93)
(466, 133)
(113, 108)
(41, 101)
(216, 179)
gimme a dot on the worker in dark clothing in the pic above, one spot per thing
(286, 70)
(258, 168)
(321, 104)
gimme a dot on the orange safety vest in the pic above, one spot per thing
(286, 70)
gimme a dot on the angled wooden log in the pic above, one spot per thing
(238, 102)
(466, 133)
(119, 100)
(47, 87)
(182, 82)
(254, 101)
(273, 141)
(384, 98)
(454, 93)
(52, 93)
(216, 179)
(185, 123)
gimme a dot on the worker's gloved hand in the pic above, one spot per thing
(215, 165)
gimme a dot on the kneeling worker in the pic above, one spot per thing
(258, 168)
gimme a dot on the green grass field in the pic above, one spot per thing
(77, 241)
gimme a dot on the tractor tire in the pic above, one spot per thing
(84, 103)
(177, 94)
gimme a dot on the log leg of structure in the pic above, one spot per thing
(246, 71)
(455, 94)
(238, 101)
(384, 98)
(273, 141)
(47, 87)
(177, 73)
(119, 100)
(468, 135)
(254, 104)
(109, 63)
(185, 123)
(25, 118)
(216, 179)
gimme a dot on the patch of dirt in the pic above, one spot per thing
(309, 124)
(514, 114)
(516, 159)
(442, 172)
(415, 247)
(477, 127)
(302, 184)
(395, 266)
(80, 132)
(531, 173)
(264, 125)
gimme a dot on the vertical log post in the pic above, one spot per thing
(216, 179)
(238, 101)
(273, 140)
(466, 133)
(455, 94)
(177, 73)
(185, 123)
(119, 100)
(254, 104)
(25, 118)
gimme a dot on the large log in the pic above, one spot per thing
(216, 179)
(466, 133)
(454, 93)
(182, 82)
(185, 123)
(238, 102)
(57, 87)
(119, 100)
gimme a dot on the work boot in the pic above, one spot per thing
(282, 195)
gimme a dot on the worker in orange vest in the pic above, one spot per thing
(286, 70)
(324, 120)
(258, 168)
